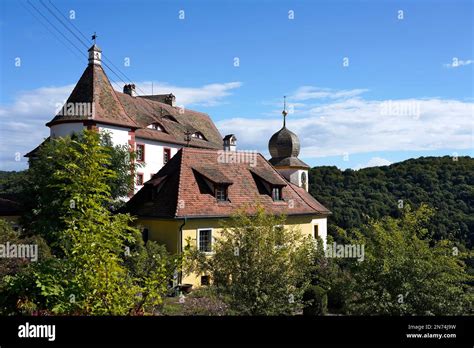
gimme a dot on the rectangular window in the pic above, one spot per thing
(139, 179)
(316, 231)
(221, 193)
(140, 152)
(205, 240)
(166, 155)
(205, 280)
(145, 235)
(276, 194)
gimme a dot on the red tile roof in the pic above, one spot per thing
(115, 108)
(95, 89)
(146, 111)
(184, 193)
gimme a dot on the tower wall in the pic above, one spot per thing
(295, 176)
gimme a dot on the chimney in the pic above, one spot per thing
(130, 90)
(230, 142)
(170, 99)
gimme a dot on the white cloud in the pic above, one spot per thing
(374, 162)
(23, 121)
(310, 92)
(207, 95)
(357, 125)
(456, 63)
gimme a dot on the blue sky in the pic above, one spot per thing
(337, 110)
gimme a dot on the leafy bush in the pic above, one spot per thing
(260, 269)
(405, 273)
(100, 265)
(316, 301)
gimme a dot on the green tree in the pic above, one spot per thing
(89, 273)
(14, 299)
(444, 183)
(258, 266)
(46, 195)
(402, 274)
(122, 163)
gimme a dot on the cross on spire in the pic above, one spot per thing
(284, 112)
(94, 37)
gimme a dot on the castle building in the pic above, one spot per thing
(152, 125)
(187, 200)
(192, 178)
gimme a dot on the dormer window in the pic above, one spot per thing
(171, 118)
(198, 135)
(156, 126)
(213, 182)
(221, 193)
(276, 194)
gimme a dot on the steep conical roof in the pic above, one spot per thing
(101, 102)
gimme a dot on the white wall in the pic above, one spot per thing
(119, 135)
(294, 176)
(65, 129)
(153, 157)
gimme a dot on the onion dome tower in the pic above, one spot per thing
(284, 147)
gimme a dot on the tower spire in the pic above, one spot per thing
(284, 112)
(95, 53)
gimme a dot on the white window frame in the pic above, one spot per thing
(198, 235)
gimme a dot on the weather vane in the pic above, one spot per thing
(94, 37)
(284, 112)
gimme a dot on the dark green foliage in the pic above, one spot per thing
(100, 265)
(19, 269)
(12, 183)
(316, 301)
(404, 272)
(441, 182)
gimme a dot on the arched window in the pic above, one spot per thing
(304, 181)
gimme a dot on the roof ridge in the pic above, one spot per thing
(171, 106)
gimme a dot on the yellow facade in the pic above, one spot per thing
(167, 232)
